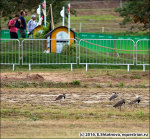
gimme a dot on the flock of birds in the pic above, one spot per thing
(114, 96)
(121, 102)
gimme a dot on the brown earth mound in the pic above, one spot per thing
(35, 77)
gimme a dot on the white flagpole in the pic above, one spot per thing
(39, 13)
(45, 13)
(63, 16)
(69, 23)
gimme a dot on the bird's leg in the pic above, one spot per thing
(120, 108)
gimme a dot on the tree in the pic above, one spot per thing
(11, 7)
(136, 11)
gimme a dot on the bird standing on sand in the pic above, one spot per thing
(61, 97)
(119, 103)
(137, 100)
(113, 96)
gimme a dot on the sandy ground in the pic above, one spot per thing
(91, 77)
(74, 95)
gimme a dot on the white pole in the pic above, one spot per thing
(45, 13)
(63, 17)
(39, 13)
(102, 29)
(69, 23)
(80, 26)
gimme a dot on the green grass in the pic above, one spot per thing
(120, 85)
(57, 112)
(93, 17)
(42, 84)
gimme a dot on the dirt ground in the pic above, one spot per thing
(103, 77)
(74, 96)
(33, 112)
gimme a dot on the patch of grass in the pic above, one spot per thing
(110, 85)
(109, 114)
(9, 112)
(128, 114)
(142, 86)
(99, 86)
(108, 73)
(85, 85)
(76, 82)
(33, 116)
(41, 84)
(141, 115)
(120, 85)
(135, 77)
(39, 112)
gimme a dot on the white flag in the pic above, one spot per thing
(62, 13)
(38, 11)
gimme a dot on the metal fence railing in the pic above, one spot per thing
(106, 52)
(143, 52)
(10, 52)
(66, 51)
(49, 51)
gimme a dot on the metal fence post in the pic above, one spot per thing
(128, 67)
(86, 67)
(13, 67)
(71, 67)
(29, 66)
(144, 68)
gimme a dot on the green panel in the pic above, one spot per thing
(143, 45)
(5, 34)
(124, 46)
(97, 45)
(95, 36)
(134, 38)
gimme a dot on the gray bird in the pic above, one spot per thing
(137, 100)
(119, 103)
(61, 97)
(113, 96)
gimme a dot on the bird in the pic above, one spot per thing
(61, 97)
(113, 96)
(137, 100)
(119, 103)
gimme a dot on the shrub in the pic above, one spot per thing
(75, 82)
(69, 50)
